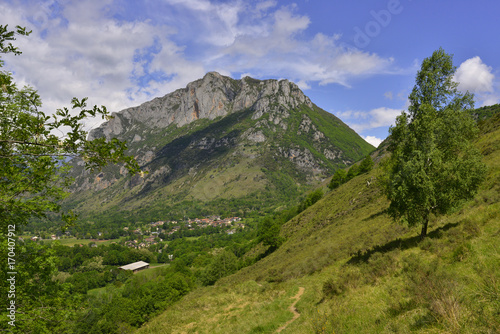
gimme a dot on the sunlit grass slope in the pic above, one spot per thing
(363, 273)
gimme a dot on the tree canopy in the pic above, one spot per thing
(433, 165)
(341, 176)
(35, 146)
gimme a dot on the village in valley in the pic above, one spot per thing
(160, 230)
(150, 234)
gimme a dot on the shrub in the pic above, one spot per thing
(366, 165)
(353, 171)
(339, 178)
(349, 277)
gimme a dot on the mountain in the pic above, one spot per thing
(218, 146)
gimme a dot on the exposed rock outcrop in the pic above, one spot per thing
(208, 98)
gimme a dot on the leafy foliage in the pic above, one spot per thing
(33, 179)
(312, 198)
(123, 310)
(486, 112)
(366, 165)
(42, 303)
(434, 165)
(341, 176)
(222, 265)
(33, 154)
(269, 233)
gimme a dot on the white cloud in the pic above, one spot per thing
(351, 114)
(281, 51)
(489, 99)
(287, 24)
(76, 59)
(303, 85)
(201, 5)
(370, 124)
(373, 140)
(265, 5)
(82, 51)
(383, 117)
(272, 42)
(361, 121)
(85, 49)
(474, 76)
(208, 22)
(247, 74)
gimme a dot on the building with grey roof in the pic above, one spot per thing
(136, 266)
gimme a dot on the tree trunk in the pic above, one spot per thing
(423, 234)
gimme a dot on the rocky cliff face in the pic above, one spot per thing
(207, 98)
(221, 138)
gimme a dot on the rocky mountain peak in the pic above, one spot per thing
(212, 96)
(251, 143)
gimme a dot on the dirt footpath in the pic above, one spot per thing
(293, 310)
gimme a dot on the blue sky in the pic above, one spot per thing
(355, 59)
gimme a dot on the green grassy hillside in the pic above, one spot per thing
(363, 273)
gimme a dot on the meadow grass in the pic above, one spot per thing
(362, 272)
